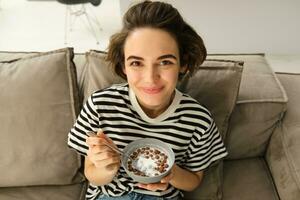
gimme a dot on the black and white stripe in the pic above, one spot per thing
(189, 130)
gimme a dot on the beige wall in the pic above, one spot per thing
(227, 26)
(268, 26)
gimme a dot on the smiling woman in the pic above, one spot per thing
(152, 68)
(154, 47)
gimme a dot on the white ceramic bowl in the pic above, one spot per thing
(152, 143)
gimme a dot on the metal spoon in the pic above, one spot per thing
(92, 134)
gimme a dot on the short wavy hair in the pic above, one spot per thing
(163, 16)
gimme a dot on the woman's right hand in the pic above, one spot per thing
(101, 155)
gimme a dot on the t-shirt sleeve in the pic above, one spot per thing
(87, 121)
(205, 148)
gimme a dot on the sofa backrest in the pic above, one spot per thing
(260, 106)
(255, 102)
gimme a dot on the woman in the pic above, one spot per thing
(154, 48)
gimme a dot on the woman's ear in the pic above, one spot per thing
(183, 69)
(123, 69)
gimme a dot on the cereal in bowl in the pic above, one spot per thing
(148, 161)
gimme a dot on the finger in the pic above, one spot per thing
(144, 186)
(92, 141)
(101, 135)
(113, 167)
(154, 186)
(99, 153)
(141, 185)
(107, 162)
(102, 160)
(96, 149)
(110, 141)
(100, 132)
(158, 186)
(167, 178)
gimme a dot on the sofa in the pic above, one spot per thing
(255, 109)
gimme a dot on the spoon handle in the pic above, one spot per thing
(92, 134)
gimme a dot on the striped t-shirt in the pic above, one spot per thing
(186, 126)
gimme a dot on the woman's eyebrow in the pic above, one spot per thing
(167, 56)
(134, 57)
(159, 58)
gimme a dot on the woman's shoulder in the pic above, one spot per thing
(188, 103)
(196, 113)
(114, 90)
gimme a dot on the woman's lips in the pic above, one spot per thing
(152, 90)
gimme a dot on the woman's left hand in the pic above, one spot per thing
(162, 185)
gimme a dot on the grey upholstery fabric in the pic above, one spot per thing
(283, 153)
(215, 84)
(260, 105)
(62, 192)
(211, 186)
(97, 74)
(248, 179)
(259, 110)
(39, 103)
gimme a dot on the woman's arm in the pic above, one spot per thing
(101, 163)
(99, 176)
(184, 179)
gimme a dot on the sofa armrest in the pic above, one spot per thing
(283, 153)
(283, 158)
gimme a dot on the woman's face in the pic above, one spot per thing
(152, 66)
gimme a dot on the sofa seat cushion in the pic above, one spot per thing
(283, 155)
(248, 179)
(260, 105)
(63, 192)
(39, 104)
(210, 187)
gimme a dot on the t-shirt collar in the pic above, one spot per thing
(168, 112)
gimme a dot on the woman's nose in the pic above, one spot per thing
(151, 74)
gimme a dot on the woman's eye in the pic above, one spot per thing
(135, 63)
(166, 62)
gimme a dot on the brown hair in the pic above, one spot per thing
(163, 16)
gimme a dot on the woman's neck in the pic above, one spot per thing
(154, 112)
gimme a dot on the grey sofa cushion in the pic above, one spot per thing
(97, 74)
(39, 104)
(61, 192)
(248, 179)
(215, 84)
(211, 185)
(260, 105)
(283, 154)
(10, 56)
